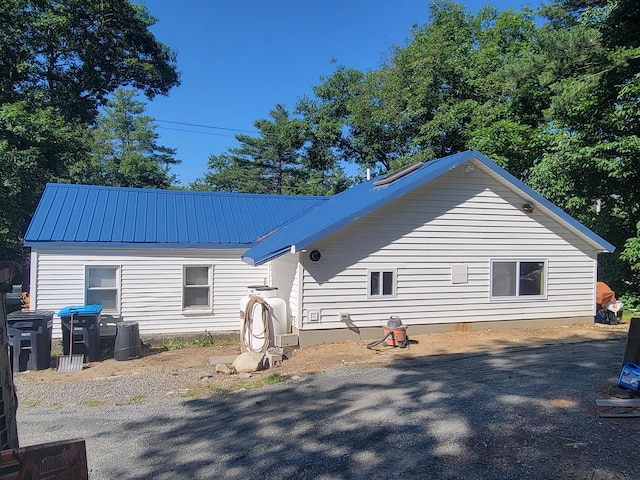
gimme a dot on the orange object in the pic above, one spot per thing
(604, 295)
(25, 301)
(398, 339)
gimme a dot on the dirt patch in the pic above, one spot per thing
(482, 427)
(302, 361)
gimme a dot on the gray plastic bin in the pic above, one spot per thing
(127, 344)
(29, 333)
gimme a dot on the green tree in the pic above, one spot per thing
(450, 88)
(59, 62)
(230, 172)
(126, 152)
(275, 162)
(591, 58)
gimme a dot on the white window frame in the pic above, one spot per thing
(382, 271)
(118, 270)
(518, 297)
(197, 308)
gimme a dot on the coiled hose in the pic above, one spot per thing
(247, 326)
(378, 342)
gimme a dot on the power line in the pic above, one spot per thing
(194, 131)
(206, 126)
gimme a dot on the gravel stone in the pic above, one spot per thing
(513, 413)
(118, 390)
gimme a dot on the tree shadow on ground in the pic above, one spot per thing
(519, 412)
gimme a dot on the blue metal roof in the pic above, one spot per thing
(89, 215)
(360, 200)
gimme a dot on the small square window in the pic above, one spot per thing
(102, 287)
(196, 288)
(382, 283)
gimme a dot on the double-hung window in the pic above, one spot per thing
(102, 287)
(382, 283)
(518, 278)
(196, 287)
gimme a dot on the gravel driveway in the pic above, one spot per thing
(508, 414)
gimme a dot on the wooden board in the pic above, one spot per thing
(619, 407)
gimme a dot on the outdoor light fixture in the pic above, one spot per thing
(526, 208)
(314, 255)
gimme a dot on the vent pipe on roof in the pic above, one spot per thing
(368, 174)
(393, 176)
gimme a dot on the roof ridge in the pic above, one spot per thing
(166, 191)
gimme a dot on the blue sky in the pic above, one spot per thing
(239, 58)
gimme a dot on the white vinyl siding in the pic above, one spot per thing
(151, 285)
(284, 276)
(459, 218)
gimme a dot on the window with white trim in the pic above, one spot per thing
(102, 283)
(381, 283)
(518, 278)
(196, 287)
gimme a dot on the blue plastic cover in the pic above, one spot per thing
(80, 310)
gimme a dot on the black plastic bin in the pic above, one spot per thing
(29, 335)
(127, 344)
(86, 331)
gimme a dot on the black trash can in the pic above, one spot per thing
(127, 344)
(29, 335)
(86, 331)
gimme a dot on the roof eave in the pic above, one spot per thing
(118, 245)
(257, 261)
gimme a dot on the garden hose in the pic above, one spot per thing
(248, 333)
(378, 342)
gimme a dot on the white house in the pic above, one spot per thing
(453, 243)
(168, 259)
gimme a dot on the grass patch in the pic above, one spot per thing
(30, 403)
(211, 341)
(628, 315)
(137, 399)
(249, 385)
(217, 388)
(92, 403)
(56, 348)
(191, 394)
(204, 340)
(275, 378)
(173, 344)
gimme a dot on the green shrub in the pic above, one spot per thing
(173, 344)
(631, 302)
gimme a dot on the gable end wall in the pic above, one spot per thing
(459, 219)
